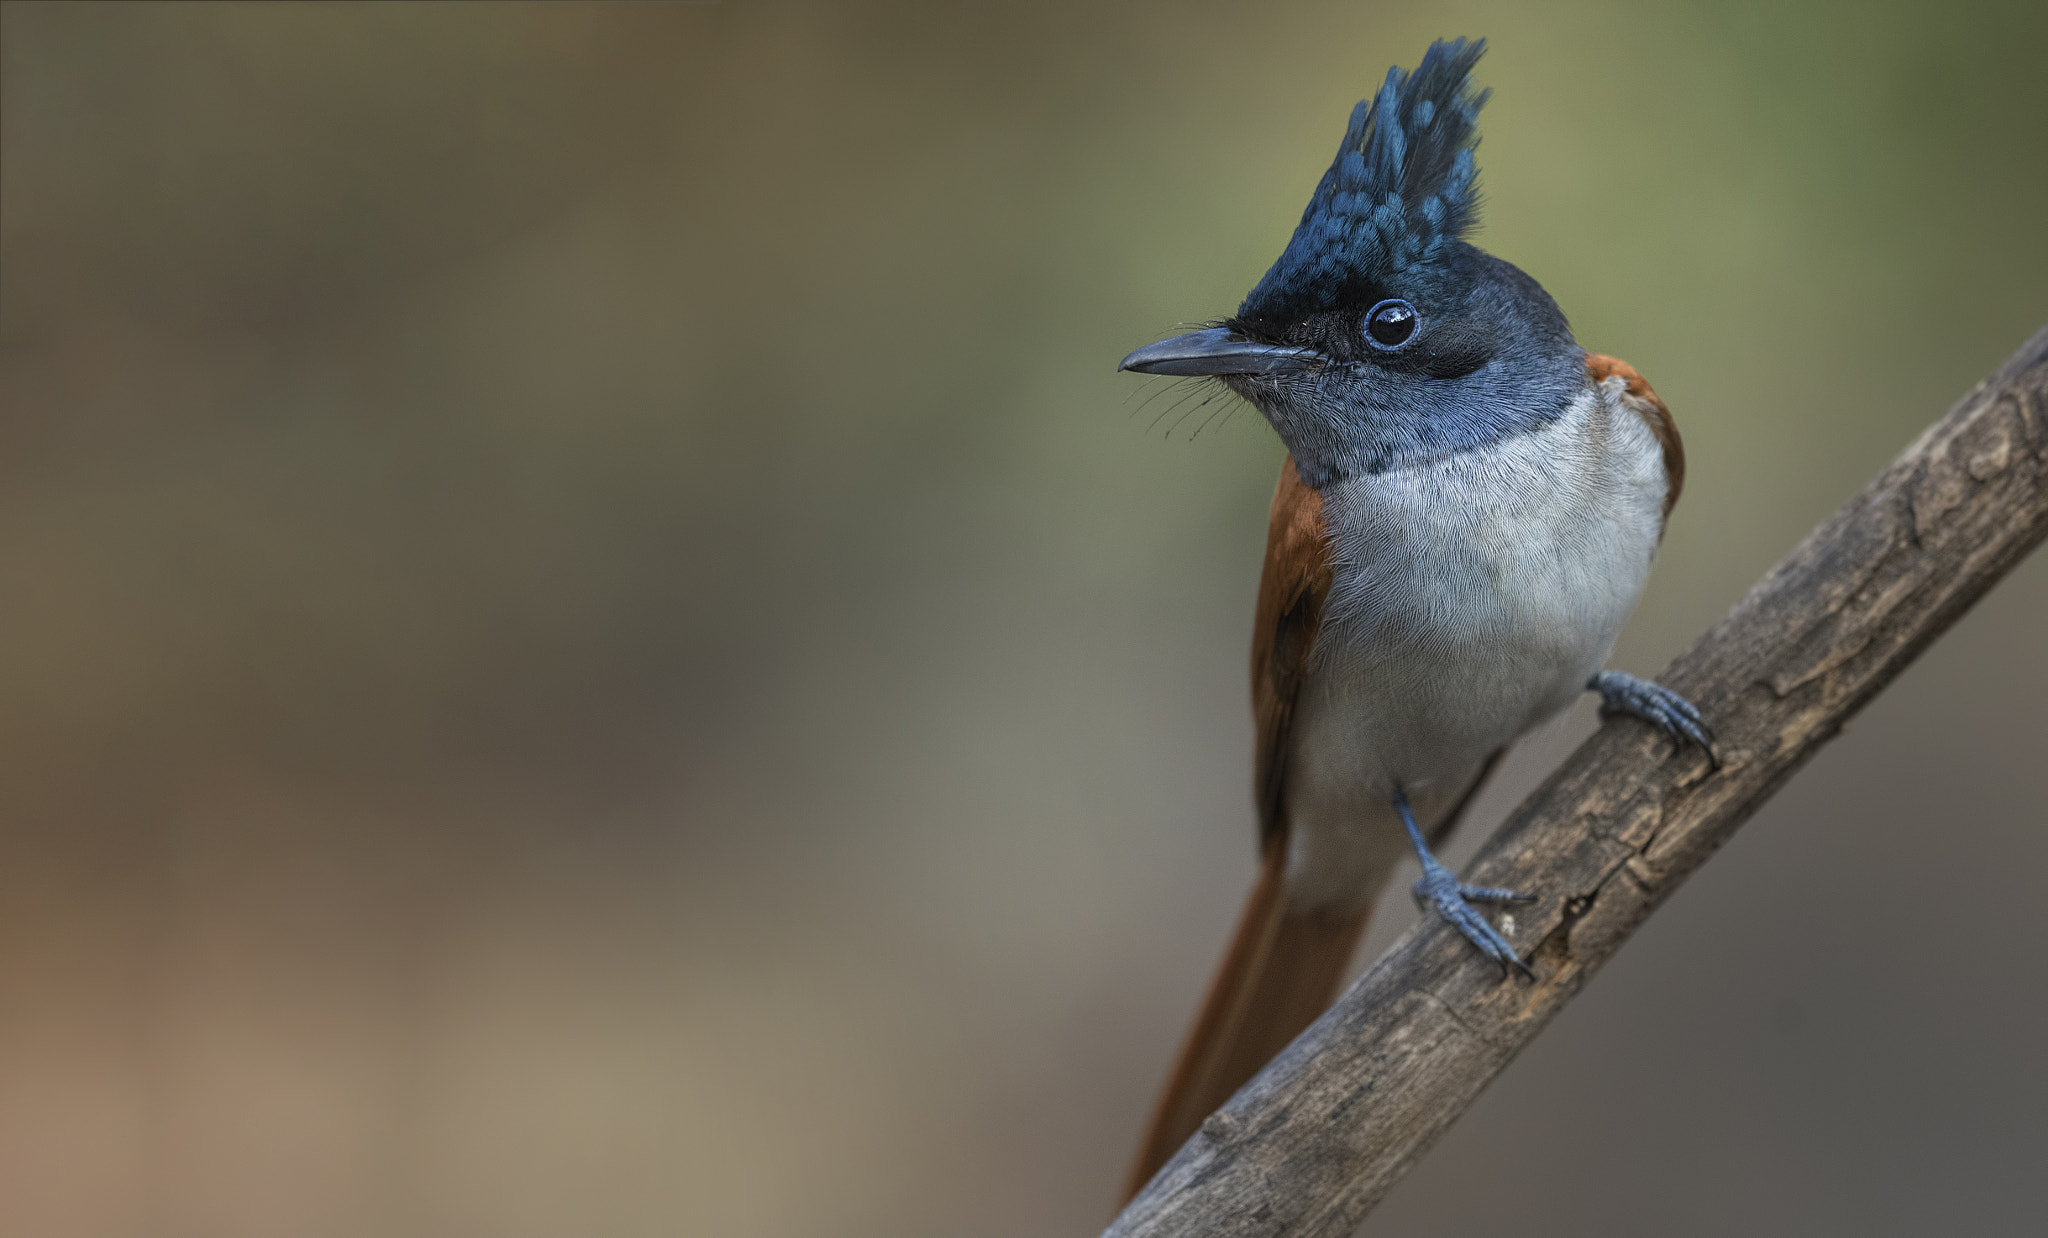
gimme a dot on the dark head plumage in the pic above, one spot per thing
(1404, 184)
(1381, 338)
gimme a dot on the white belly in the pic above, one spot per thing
(1473, 598)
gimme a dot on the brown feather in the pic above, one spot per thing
(1283, 967)
(1292, 590)
(1280, 972)
(1639, 399)
(1197, 1072)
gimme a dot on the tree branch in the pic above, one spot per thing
(1311, 1144)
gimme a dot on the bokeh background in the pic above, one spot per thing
(589, 643)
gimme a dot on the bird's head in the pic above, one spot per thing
(1381, 339)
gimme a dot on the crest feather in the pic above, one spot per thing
(1404, 183)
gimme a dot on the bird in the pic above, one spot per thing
(1465, 517)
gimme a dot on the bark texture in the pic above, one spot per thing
(1316, 1139)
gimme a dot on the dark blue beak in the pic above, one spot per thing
(1216, 352)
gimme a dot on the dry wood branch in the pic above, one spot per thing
(1312, 1143)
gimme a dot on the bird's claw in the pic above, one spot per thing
(1493, 894)
(1453, 902)
(1622, 693)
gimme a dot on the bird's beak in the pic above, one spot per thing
(1217, 352)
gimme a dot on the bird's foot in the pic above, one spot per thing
(1439, 888)
(1622, 693)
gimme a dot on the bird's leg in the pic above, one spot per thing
(1622, 693)
(1439, 887)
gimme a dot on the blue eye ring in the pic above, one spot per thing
(1392, 325)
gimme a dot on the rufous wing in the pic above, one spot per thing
(1282, 968)
(1292, 590)
(1640, 399)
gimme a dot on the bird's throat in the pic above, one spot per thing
(1338, 426)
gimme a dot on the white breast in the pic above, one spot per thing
(1473, 598)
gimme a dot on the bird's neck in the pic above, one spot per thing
(1335, 431)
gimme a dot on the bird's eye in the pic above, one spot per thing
(1391, 324)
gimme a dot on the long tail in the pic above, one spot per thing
(1279, 973)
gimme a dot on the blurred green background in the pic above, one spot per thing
(589, 643)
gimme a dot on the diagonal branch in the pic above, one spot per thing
(1311, 1144)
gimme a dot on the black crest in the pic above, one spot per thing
(1404, 183)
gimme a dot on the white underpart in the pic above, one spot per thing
(1473, 598)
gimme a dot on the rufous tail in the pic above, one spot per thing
(1280, 972)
